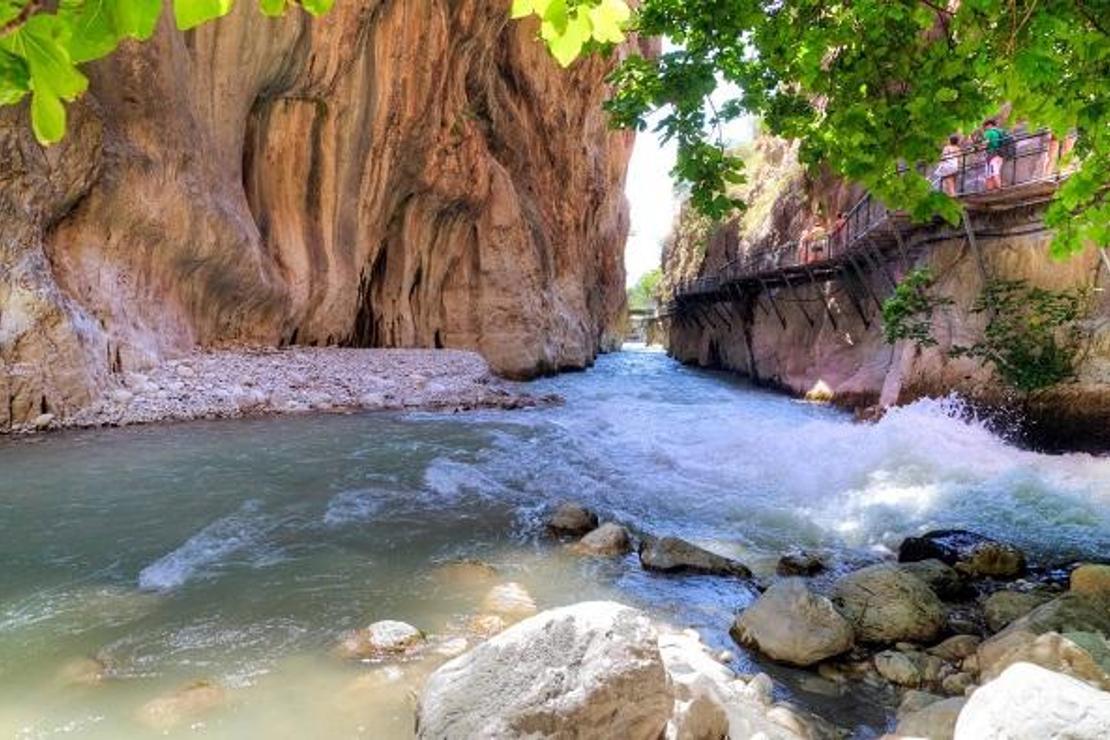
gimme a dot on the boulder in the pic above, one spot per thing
(710, 701)
(902, 669)
(914, 700)
(608, 539)
(591, 670)
(1069, 614)
(935, 721)
(956, 648)
(182, 705)
(1028, 701)
(1003, 607)
(673, 555)
(945, 580)
(957, 684)
(509, 599)
(799, 563)
(885, 604)
(968, 552)
(1083, 655)
(573, 520)
(790, 623)
(387, 638)
(1091, 579)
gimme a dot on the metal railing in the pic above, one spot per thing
(1036, 158)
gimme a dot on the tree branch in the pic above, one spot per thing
(24, 14)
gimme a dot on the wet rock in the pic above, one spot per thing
(790, 623)
(1027, 701)
(968, 552)
(485, 625)
(83, 672)
(1069, 615)
(935, 721)
(799, 563)
(591, 670)
(955, 649)
(898, 668)
(710, 701)
(965, 619)
(885, 604)
(957, 684)
(1091, 579)
(933, 669)
(1003, 607)
(572, 520)
(1083, 655)
(183, 705)
(673, 555)
(946, 581)
(509, 599)
(608, 539)
(387, 638)
(914, 700)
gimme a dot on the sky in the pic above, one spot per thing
(651, 195)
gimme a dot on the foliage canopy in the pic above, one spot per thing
(645, 292)
(870, 83)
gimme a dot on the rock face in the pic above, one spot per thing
(1027, 701)
(393, 174)
(885, 604)
(841, 355)
(792, 624)
(673, 555)
(592, 670)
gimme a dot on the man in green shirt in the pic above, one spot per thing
(994, 136)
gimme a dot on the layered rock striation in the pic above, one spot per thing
(403, 174)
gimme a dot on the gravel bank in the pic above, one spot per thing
(231, 383)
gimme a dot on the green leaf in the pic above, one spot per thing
(566, 46)
(608, 21)
(97, 26)
(52, 76)
(15, 81)
(521, 8)
(317, 7)
(191, 13)
(272, 8)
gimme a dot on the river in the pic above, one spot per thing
(237, 552)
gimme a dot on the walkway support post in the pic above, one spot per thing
(824, 299)
(774, 305)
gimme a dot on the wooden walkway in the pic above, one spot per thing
(872, 237)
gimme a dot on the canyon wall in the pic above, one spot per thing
(839, 354)
(414, 173)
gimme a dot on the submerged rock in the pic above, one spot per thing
(387, 638)
(799, 563)
(572, 520)
(83, 672)
(1027, 701)
(790, 623)
(509, 599)
(885, 604)
(1003, 607)
(485, 625)
(674, 555)
(465, 573)
(592, 670)
(608, 539)
(185, 704)
(968, 552)
(935, 721)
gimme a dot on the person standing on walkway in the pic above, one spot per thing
(994, 137)
(949, 165)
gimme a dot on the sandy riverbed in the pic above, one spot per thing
(241, 382)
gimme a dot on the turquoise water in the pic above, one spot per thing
(238, 552)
